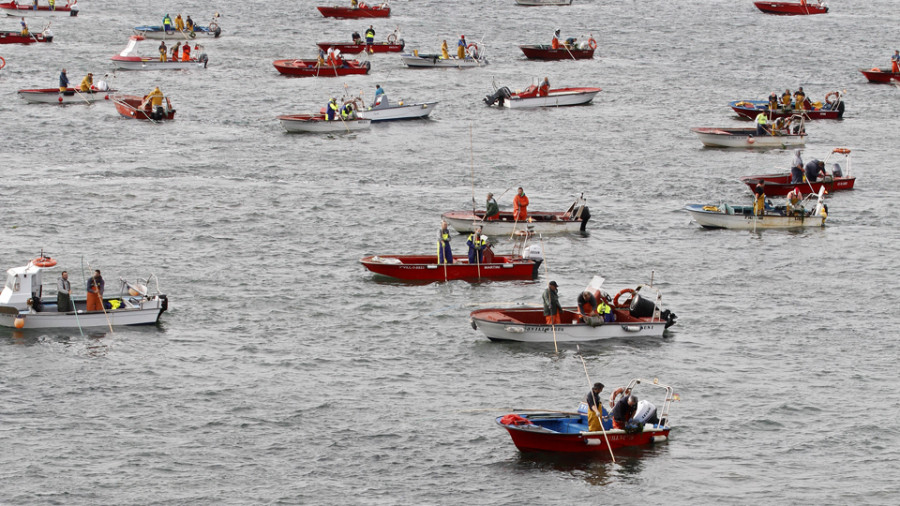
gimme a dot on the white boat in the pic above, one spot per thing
(747, 138)
(126, 61)
(573, 220)
(159, 33)
(23, 306)
(70, 96)
(640, 316)
(384, 110)
(434, 60)
(531, 97)
(535, 3)
(316, 123)
(743, 218)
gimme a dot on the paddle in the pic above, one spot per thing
(596, 403)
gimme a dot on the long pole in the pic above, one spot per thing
(102, 305)
(591, 385)
(547, 273)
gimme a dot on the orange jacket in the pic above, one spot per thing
(520, 207)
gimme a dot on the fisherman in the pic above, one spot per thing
(797, 168)
(786, 100)
(95, 286)
(370, 36)
(186, 52)
(201, 55)
(379, 95)
(794, 198)
(552, 309)
(167, 23)
(554, 43)
(587, 308)
(63, 81)
(331, 109)
(189, 24)
(624, 411)
(477, 244)
(520, 206)
(544, 88)
(595, 408)
(155, 99)
(815, 169)
(348, 112)
(461, 47)
(799, 99)
(52, 5)
(773, 101)
(445, 255)
(64, 293)
(175, 56)
(445, 51)
(356, 38)
(162, 51)
(895, 62)
(570, 42)
(24, 27)
(492, 210)
(759, 199)
(179, 23)
(761, 124)
(354, 4)
(88, 82)
(604, 311)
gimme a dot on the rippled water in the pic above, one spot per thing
(284, 373)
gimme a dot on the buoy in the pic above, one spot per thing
(60, 99)
(20, 322)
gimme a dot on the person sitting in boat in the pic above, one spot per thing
(179, 23)
(836, 171)
(189, 24)
(331, 108)
(604, 310)
(761, 122)
(794, 199)
(87, 83)
(461, 47)
(162, 51)
(773, 101)
(587, 308)
(445, 51)
(95, 287)
(175, 49)
(595, 412)
(570, 42)
(24, 27)
(492, 210)
(356, 38)
(63, 81)
(370, 36)
(348, 112)
(554, 43)
(895, 62)
(786, 100)
(623, 413)
(445, 255)
(552, 308)
(167, 23)
(477, 243)
(186, 52)
(815, 170)
(544, 88)
(799, 98)
(797, 168)
(155, 99)
(520, 206)
(64, 293)
(102, 85)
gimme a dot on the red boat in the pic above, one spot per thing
(779, 185)
(32, 9)
(130, 107)
(354, 48)
(363, 11)
(876, 75)
(426, 268)
(567, 433)
(7, 37)
(791, 8)
(546, 52)
(310, 68)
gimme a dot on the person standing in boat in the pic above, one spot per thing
(624, 411)
(895, 62)
(773, 101)
(595, 408)
(544, 88)
(155, 99)
(370, 36)
(445, 255)
(52, 5)
(797, 167)
(461, 47)
(63, 81)
(761, 124)
(520, 206)
(445, 50)
(786, 100)
(162, 51)
(477, 243)
(88, 82)
(24, 31)
(179, 23)
(186, 52)
(95, 287)
(379, 95)
(587, 308)
(799, 99)
(64, 293)
(491, 210)
(552, 308)
(815, 170)
(554, 42)
(175, 51)
(189, 24)
(167, 23)
(356, 38)
(759, 195)
(331, 109)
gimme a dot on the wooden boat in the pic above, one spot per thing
(877, 75)
(801, 8)
(741, 217)
(130, 107)
(316, 123)
(575, 219)
(385, 110)
(832, 108)
(567, 432)
(545, 52)
(425, 268)
(9, 37)
(126, 61)
(537, 3)
(356, 48)
(22, 305)
(529, 98)
(779, 185)
(310, 68)
(70, 96)
(25, 10)
(419, 60)
(638, 316)
(160, 33)
(362, 11)
(782, 134)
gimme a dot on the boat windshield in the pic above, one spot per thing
(12, 282)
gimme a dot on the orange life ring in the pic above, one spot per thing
(44, 262)
(833, 96)
(2, 62)
(592, 43)
(622, 292)
(471, 45)
(612, 397)
(845, 151)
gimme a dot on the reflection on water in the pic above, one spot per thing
(595, 468)
(92, 341)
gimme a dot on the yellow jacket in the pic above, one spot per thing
(155, 97)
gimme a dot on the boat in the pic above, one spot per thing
(160, 33)
(832, 108)
(640, 315)
(30, 9)
(10, 37)
(420, 60)
(130, 107)
(393, 45)
(316, 123)
(385, 110)
(575, 219)
(536, 3)
(70, 96)
(801, 8)
(531, 97)
(546, 52)
(310, 68)
(567, 432)
(785, 133)
(126, 61)
(23, 305)
(779, 184)
(877, 75)
(740, 217)
(382, 10)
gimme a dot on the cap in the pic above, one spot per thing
(553, 283)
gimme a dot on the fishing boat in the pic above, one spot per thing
(316, 123)
(741, 217)
(311, 68)
(393, 45)
(421, 60)
(385, 110)
(10, 37)
(832, 108)
(638, 315)
(382, 10)
(546, 52)
(70, 96)
(533, 97)
(126, 61)
(877, 75)
(23, 305)
(784, 133)
(779, 184)
(801, 8)
(160, 33)
(133, 107)
(31, 9)
(537, 3)
(567, 432)
(575, 219)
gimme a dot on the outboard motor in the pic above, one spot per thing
(498, 96)
(533, 252)
(646, 413)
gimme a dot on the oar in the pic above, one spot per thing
(570, 52)
(88, 102)
(591, 386)
(547, 273)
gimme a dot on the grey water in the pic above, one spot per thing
(284, 373)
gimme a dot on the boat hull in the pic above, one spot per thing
(398, 112)
(435, 61)
(309, 68)
(744, 219)
(145, 312)
(779, 185)
(790, 8)
(425, 268)
(129, 106)
(374, 11)
(537, 3)
(158, 33)
(749, 109)
(540, 223)
(27, 11)
(375, 47)
(71, 96)
(746, 138)
(555, 98)
(876, 75)
(7, 37)
(545, 52)
(535, 438)
(528, 325)
(316, 123)
(146, 63)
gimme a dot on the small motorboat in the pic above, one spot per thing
(784, 133)
(546, 52)
(70, 96)
(536, 3)
(160, 33)
(640, 315)
(740, 217)
(393, 45)
(801, 8)
(419, 60)
(533, 97)
(311, 68)
(779, 185)
(23, 305)
(126, 61)
(385, 110)
(133, 107)
(877, 75)
(832, 108)
(575, 219)
(31, 9)
(9, 37)
(567, 432)
(316, 123)
(382, 10)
